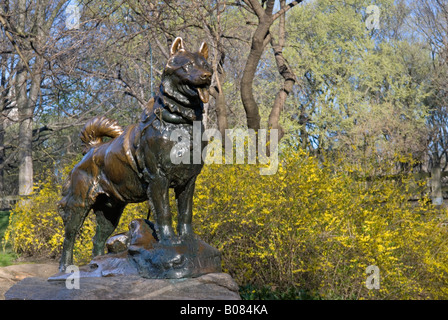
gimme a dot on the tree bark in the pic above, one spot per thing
(285, 71)
(3, 94)
(218, 93)
(25, 114)
(247, 96)
(221, 112)
(215, 34)
(260, 39)
(436, 184)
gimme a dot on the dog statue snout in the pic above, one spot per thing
(206, 76)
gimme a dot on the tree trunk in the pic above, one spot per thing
(436, 184)
(25, 154)
(287, 74)
(218, 93)
(221, 109)
(2, 141)
(26, 102)
(221, 112)
(219, 73)
(259, 41)
(25, 133)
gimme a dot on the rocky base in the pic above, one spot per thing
(213, 286)
(138, 266)
(139, 252)
(11, 275)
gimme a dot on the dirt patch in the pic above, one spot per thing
(10, 275)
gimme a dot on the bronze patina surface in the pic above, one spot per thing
(135, 166)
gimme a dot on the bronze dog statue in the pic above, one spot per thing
(135, 165)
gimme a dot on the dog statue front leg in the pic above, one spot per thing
(158, 194)
(184, 197)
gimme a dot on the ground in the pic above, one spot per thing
(10, 275)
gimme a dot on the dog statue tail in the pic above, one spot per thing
(93, 132)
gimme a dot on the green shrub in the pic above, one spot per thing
(6, 255)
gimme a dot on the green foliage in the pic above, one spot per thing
(362, 91)
(6, 256)
(4, 218)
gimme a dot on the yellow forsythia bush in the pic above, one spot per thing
(311, 225)
(314, 226)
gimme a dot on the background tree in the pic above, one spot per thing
(27, 27)
(359, 94)
(261, 37)
(431, 19)
(317, 73)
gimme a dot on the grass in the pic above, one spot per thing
(4, 219)
(7, 258)
(6, 255)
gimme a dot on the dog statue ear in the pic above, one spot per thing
(204, 50)
(178, 44)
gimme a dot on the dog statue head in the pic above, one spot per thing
(187, 75)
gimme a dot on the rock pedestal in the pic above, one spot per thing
(213, 286)
(138, 266)
(140, 253)
(13, 274)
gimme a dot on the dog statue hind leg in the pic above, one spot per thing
(108, 215)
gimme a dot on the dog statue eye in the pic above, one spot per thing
(206, 66)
